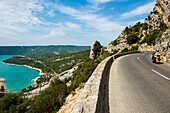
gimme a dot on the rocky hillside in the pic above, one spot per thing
(150, 35)
(163, 7)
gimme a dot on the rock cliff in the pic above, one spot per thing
(95, 50)
(163, 8)
(164, 45)
(150, 35)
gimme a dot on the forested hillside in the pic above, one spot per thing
(40, 50)
(51, 63)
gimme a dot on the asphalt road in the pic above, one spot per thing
(136, 85)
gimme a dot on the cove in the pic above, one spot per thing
(17, 77)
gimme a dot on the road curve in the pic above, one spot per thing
(136, 85)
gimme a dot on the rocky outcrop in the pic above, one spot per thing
(164, 46)
(95, 50)
(154, 30)
(145, 47)
(153, 20)
(163, 8)
(121, 40)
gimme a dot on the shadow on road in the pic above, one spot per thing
(158, 63)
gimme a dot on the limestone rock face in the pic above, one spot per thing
(164, 45)
(95, 50)
(163, 8)
(154, 22)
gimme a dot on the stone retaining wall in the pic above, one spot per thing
(103, 96)
(94, 97)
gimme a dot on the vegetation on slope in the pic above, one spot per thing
(51, 99)
(132, 39)
(134, 35)
(114, 43)
(133, 49)
(51, 63)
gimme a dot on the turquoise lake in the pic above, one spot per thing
(18, 77)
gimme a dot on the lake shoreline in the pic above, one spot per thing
(39, 70)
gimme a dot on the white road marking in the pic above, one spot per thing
(161, 74)
(138, 58)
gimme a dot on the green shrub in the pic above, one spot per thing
(104, 55)
(137, 24)
(114, 43)
(136, 29)
(159, 35)
(163, 26)
(83, 72)
(149, 18)
(155, 12)
(150, 39)
(114, 51)
(134, 48)
(2, 88)
(145, 26)
(124, 50)
(9, 102)
(50, 99)
(150, 26)
(131, 39)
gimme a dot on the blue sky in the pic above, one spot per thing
(68, 22)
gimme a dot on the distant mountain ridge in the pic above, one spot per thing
(40, 50)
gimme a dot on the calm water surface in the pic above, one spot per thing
(18, 77)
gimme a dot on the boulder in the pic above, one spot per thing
(95, 50)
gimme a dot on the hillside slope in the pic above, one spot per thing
(40, 50)
(150, 35)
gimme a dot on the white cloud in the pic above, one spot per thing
(99, 1)
(22, 12)
(18, 15)
(101, 27)
(51, 13)
(8, 34)
(100, 23)
(112, 8)
(73, 25)
(55, 33)
(147, 8)
(68, 10)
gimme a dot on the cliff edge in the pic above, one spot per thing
(148, 36)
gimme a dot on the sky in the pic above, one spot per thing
(68, 22)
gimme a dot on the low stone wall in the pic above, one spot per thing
(94, 97)
(103, 96)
